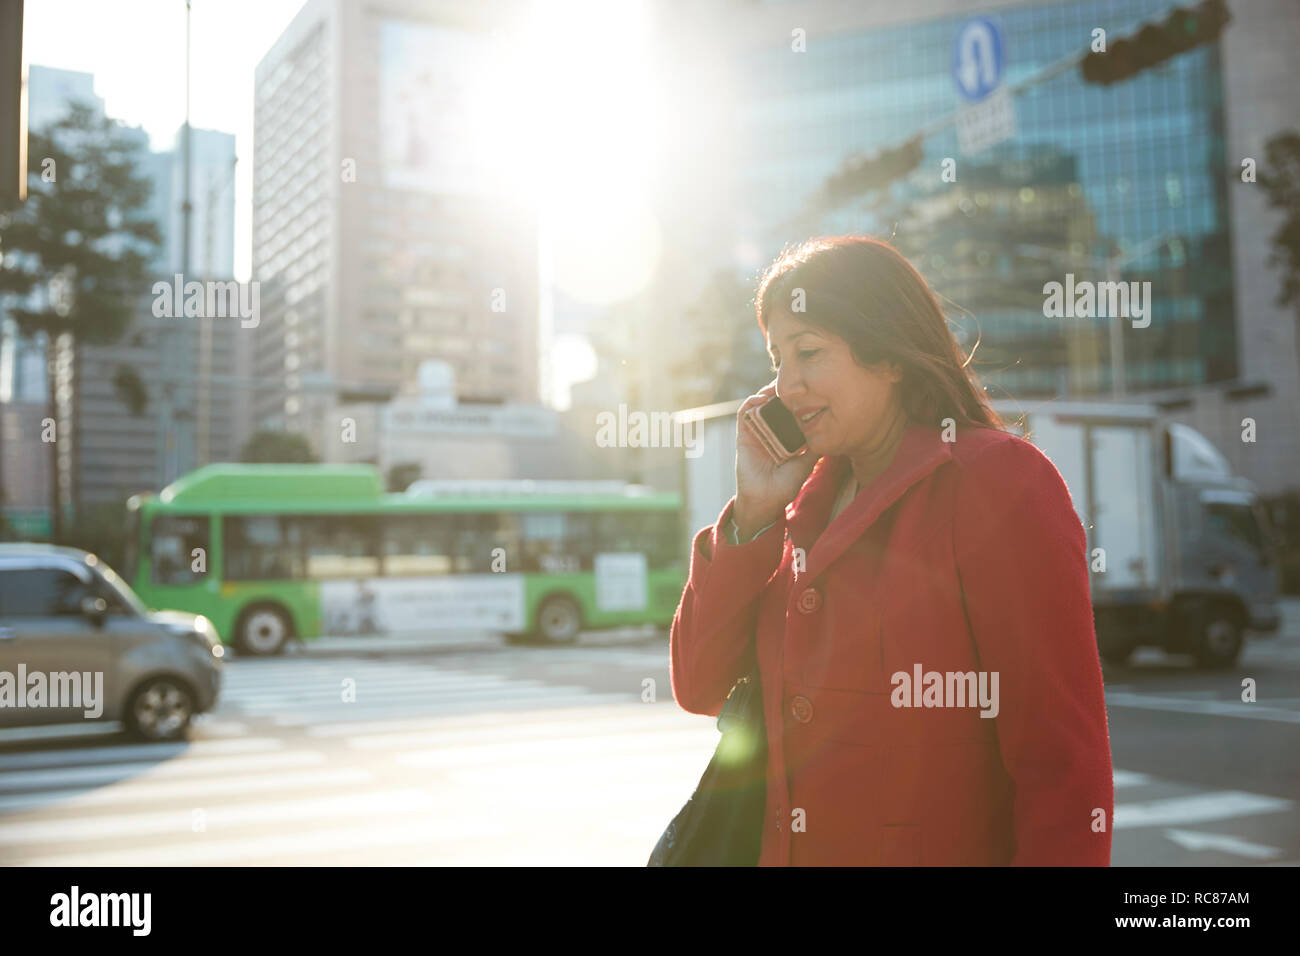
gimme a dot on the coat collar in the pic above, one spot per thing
(921, 451)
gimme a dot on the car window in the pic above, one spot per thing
(40, 592)
(121, 599)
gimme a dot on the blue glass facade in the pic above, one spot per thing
(1093, 175)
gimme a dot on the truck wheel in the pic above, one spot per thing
(1219, 642)
(160, 709)
(263, 630)
(559, 620)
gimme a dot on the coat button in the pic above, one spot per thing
(801, 708)
(810, 601)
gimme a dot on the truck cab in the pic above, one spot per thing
(1180, 553)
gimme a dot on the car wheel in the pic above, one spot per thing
(1219, 642)
(263, 631)
(559, 620)
(160, 710)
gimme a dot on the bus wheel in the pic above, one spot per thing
(559, 620)
(1219, 641)
(160, 709)
(263, 630)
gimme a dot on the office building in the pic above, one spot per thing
(1138, 182)
(378, 241)
(196, 372)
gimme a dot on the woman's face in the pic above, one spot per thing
(839, 404)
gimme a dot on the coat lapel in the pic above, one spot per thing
(920, 452)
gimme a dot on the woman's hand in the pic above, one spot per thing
(763, 488)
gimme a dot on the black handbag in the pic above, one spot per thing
(722, 823)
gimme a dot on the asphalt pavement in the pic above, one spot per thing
(462, 749)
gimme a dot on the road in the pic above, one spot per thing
(484, 754)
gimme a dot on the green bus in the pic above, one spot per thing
(270, 553)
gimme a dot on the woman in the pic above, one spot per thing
(913, 588)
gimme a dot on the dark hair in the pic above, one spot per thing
(867, 293)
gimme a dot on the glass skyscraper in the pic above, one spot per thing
(1127, 182)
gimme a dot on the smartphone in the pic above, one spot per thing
(777, 430)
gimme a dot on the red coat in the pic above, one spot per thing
(961, 556)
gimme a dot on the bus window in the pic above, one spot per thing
(501, 530)
(474, 537)
(416, 544)
(580, 538)
(650, 533)
(172, 541)
(542, 542)
(340, 546)
(262, 548)
(619, 531)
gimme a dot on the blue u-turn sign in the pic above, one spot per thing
(977, 58)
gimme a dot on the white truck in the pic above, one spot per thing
(1179, 550)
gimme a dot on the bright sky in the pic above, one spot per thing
(592, 187)
(136, 50)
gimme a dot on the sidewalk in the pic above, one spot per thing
(449, 641)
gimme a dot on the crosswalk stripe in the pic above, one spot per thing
(332, 686)
(415, 692)
(208, 853)
(200, 789)
(159, 751)
(1127, 778)
(1211, 708)
(1197, 808)
(111, 773)
(118, 826)
(219, 728)
(578, 717)
(603, 749)
(83, 728)
(497, 706)
(700, 735)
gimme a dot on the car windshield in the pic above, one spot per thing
(119, 587)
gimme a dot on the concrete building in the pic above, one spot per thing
(378, 243)
(428, 431)
(197, 370)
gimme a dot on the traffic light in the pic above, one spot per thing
(874, 173)
(1183, 29)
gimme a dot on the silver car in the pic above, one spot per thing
(77, 644)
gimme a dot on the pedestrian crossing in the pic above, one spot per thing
(307, 693)
(591, 784)
(439, 764)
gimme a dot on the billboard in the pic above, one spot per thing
(435, 116)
